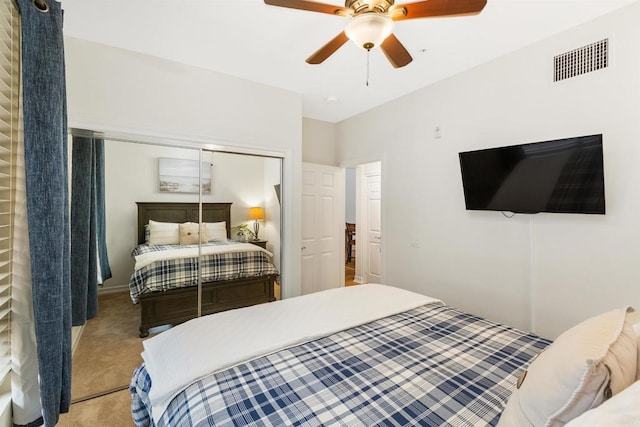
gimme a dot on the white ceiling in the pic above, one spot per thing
(266, 44)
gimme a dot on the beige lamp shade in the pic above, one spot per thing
(256, 213)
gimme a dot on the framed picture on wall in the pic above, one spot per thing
(183, 176)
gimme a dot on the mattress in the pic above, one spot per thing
(165, 267)
(430, 365)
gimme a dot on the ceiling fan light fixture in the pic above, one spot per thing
(369, 30)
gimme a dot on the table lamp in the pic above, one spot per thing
(256, 214)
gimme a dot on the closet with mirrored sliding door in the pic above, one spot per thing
(187, 231)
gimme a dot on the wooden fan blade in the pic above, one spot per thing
(436, 8)
(395, 52)
(328, 49)
(312, 6)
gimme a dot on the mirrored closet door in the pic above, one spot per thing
(244, 270)
(109, 346)
(157, 268)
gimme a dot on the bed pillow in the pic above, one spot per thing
(216, 231)
(189, 232)
(163, 233)
(635, 319)
(583, 367)
(621, 410)
(637, 328)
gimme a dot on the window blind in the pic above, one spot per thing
(10, 133)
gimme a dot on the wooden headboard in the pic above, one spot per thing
(181, 212)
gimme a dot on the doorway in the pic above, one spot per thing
(350, 227)
(363, 205)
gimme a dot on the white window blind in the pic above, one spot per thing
(9, 134)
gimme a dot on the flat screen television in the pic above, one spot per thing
(563, 176)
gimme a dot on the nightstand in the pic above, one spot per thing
(261, 243)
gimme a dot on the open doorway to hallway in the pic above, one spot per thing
(350, 227)
(363, 236)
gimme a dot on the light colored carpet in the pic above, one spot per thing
(113, 410)
(109, 349)
(108, 353)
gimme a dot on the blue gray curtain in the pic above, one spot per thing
(90, 266)
(104, 272)
(45, 144)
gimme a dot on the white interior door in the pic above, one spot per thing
(322, 227)
(371, 228)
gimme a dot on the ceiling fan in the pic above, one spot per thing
(372, 22)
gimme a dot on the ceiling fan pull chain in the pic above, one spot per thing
(368, 52)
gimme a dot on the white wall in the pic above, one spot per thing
(118, 91)
(318, 142)
(239, 179)
(543, 272)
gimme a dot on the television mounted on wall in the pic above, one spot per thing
(561, 176)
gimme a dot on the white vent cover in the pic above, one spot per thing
(581, 60)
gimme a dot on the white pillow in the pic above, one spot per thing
(622, 410)
(635, 319)
(163, 233)
(636, 327)
(216, 231)
(585, 365)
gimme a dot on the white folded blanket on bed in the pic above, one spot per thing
(145, 259)
(187, 352)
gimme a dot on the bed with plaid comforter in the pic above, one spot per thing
(183, 272)
(431, 366)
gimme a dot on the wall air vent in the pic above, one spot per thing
(582, 60)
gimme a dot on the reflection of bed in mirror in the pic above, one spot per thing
(250, 285)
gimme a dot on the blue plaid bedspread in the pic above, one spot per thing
(431, 366)
(183, 272)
